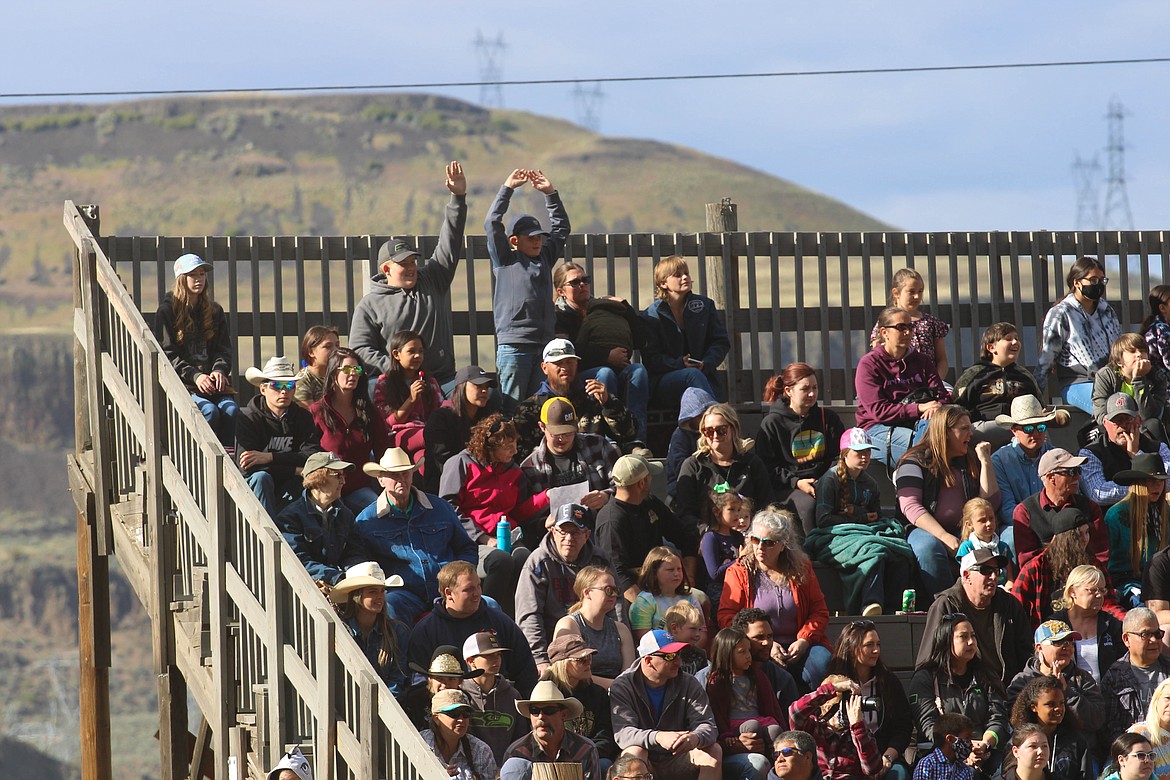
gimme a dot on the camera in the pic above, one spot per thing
(871, 704)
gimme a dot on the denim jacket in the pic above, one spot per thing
(323, 547)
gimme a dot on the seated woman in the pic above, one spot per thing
(1081, 607)
(192, 330)
(1156, 327)
(1055, 657)
(592, 619)
(929, 331)
(1077, 334)
(1131, 757)
(747, 714)
(405, 395)
(686, 340)
(484, 485)
(361, 601)
(775, 575)
(1138, 525)
(858, 656)
(318, 526)
(954, 679)
(462, 754)
(898, 389)
(1131, 371)
(831, 713)
(317, 347)
(1032, 757)
(449, 427)
(797, 440)
(723, 461)
(1042, 703)
(934, 480)
(987, 389)
(349, 427)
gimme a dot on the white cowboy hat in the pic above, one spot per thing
(362, 575)
(277, 369)
(393, 461)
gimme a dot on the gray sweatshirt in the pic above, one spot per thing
(685, 707)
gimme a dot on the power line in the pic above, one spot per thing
(591, 79)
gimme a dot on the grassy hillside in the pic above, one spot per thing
(333, 165)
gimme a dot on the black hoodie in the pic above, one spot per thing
(291, 439)
(817, 438)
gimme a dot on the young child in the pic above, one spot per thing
(522, 261)
(1130, 371)
(722, 543)
(847, 493)
(929, 331)
(979, 530)
(192, 330)
(685, 623)
(662, 583)
(494, 720)
(742, 699)
(987, 388)
(952, 746)
(317, 347)
(405, 396)
(1042, 702)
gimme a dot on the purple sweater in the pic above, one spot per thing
(883, 381)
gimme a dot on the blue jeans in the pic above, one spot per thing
(220, 415)
(360, 499)
(1079, 394)
(936, 562)
(891, 443)
(745, 766)
(816, 663)
(273, 497)
(632, 385)
(519, 371)
(672, 384)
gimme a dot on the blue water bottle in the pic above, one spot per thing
(504, 534)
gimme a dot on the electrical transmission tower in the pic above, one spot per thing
(490, 53)
(1087, 174)
(1116, 214)
(588, 102)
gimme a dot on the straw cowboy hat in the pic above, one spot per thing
(445, 662)
(393, 461)
(547, 692)
(362, 575)
(277, 369)
(1027, 410)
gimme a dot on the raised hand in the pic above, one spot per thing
(456, 181)
(540, 181)
(516, 178)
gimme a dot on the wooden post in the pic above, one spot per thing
(81, 429)
(723, 279)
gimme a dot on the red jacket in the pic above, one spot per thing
(482, 494)
(812, 614)
(353, 443)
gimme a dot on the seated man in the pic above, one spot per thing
(796, 756)
(1060, 473)
(274, 436)
(1129, 684)
(545, 591)
(318, 526)
(664, 717)
(598, 411)
(460, 612)
(1124, 438)
(1016, 463)
(1002, 629)
(411, 534)
(549, 742)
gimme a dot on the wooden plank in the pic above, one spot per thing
(367, 724)
(93, 619)
(222, 673)
(99, 431)
(326, 743)
(273, 630)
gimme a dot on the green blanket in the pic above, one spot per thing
(855, 548)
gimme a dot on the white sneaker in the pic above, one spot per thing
(872, 609)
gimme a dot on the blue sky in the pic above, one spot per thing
(935, 151)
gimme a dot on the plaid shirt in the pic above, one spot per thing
(575, 749)
(595, 453)
(1035, 589)
(842, 754)
(936, 766)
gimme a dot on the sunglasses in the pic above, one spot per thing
(608, 590)
(578, 282)
(765, 543)
(954, 617)
(351, 370)
(459, 714)
(1075, 471)
(551, 709)
(985, 570)
(789, 752)
(666, 656)
(715, 430)
(282, 387)
(867, 625)
(901, 327)
(1037, 428)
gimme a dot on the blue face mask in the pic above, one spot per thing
(962, 748)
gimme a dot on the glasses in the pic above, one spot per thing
(1146, 636)
(666, 656)
(765, 543)
(789, 752)
(283, 387)
(1091, 280)
(1037, 428)
(578, 282)
(1141, 755)
(901, 327)
(350, 370)
(1095, 591)
(867, 625)
(647, 776)
(1075, 471)
(715, 430)
(608, 590)
(551, 709)
(564, 531)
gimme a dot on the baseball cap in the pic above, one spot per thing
(1054, 631)
(1120, 403)
(526, 225)
(571, 513)
(658, 641)
(856, 439)
(324, 460)
(475, 375)
(559, 416)
(557, 350)
(1057, 459)
(631, 469)
(395, 251)
(482, 643)
(450, 700)
(1067, 519)
(982, 556)
(188, 263)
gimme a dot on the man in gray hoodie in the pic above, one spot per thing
(407, 295)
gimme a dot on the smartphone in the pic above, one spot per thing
(692, 362)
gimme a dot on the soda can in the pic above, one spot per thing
(908, 599)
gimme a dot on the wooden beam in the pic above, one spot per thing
(93, 617)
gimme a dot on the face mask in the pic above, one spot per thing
(962, 748)
(1092, 291)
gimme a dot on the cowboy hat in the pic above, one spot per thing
(1027, 410)
(394, 461)
(445, 662)
(1146, 465)
(362, 575)
(277, 369)
(547, 692)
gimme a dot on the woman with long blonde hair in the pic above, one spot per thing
(592, 619)
(1138, 525)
